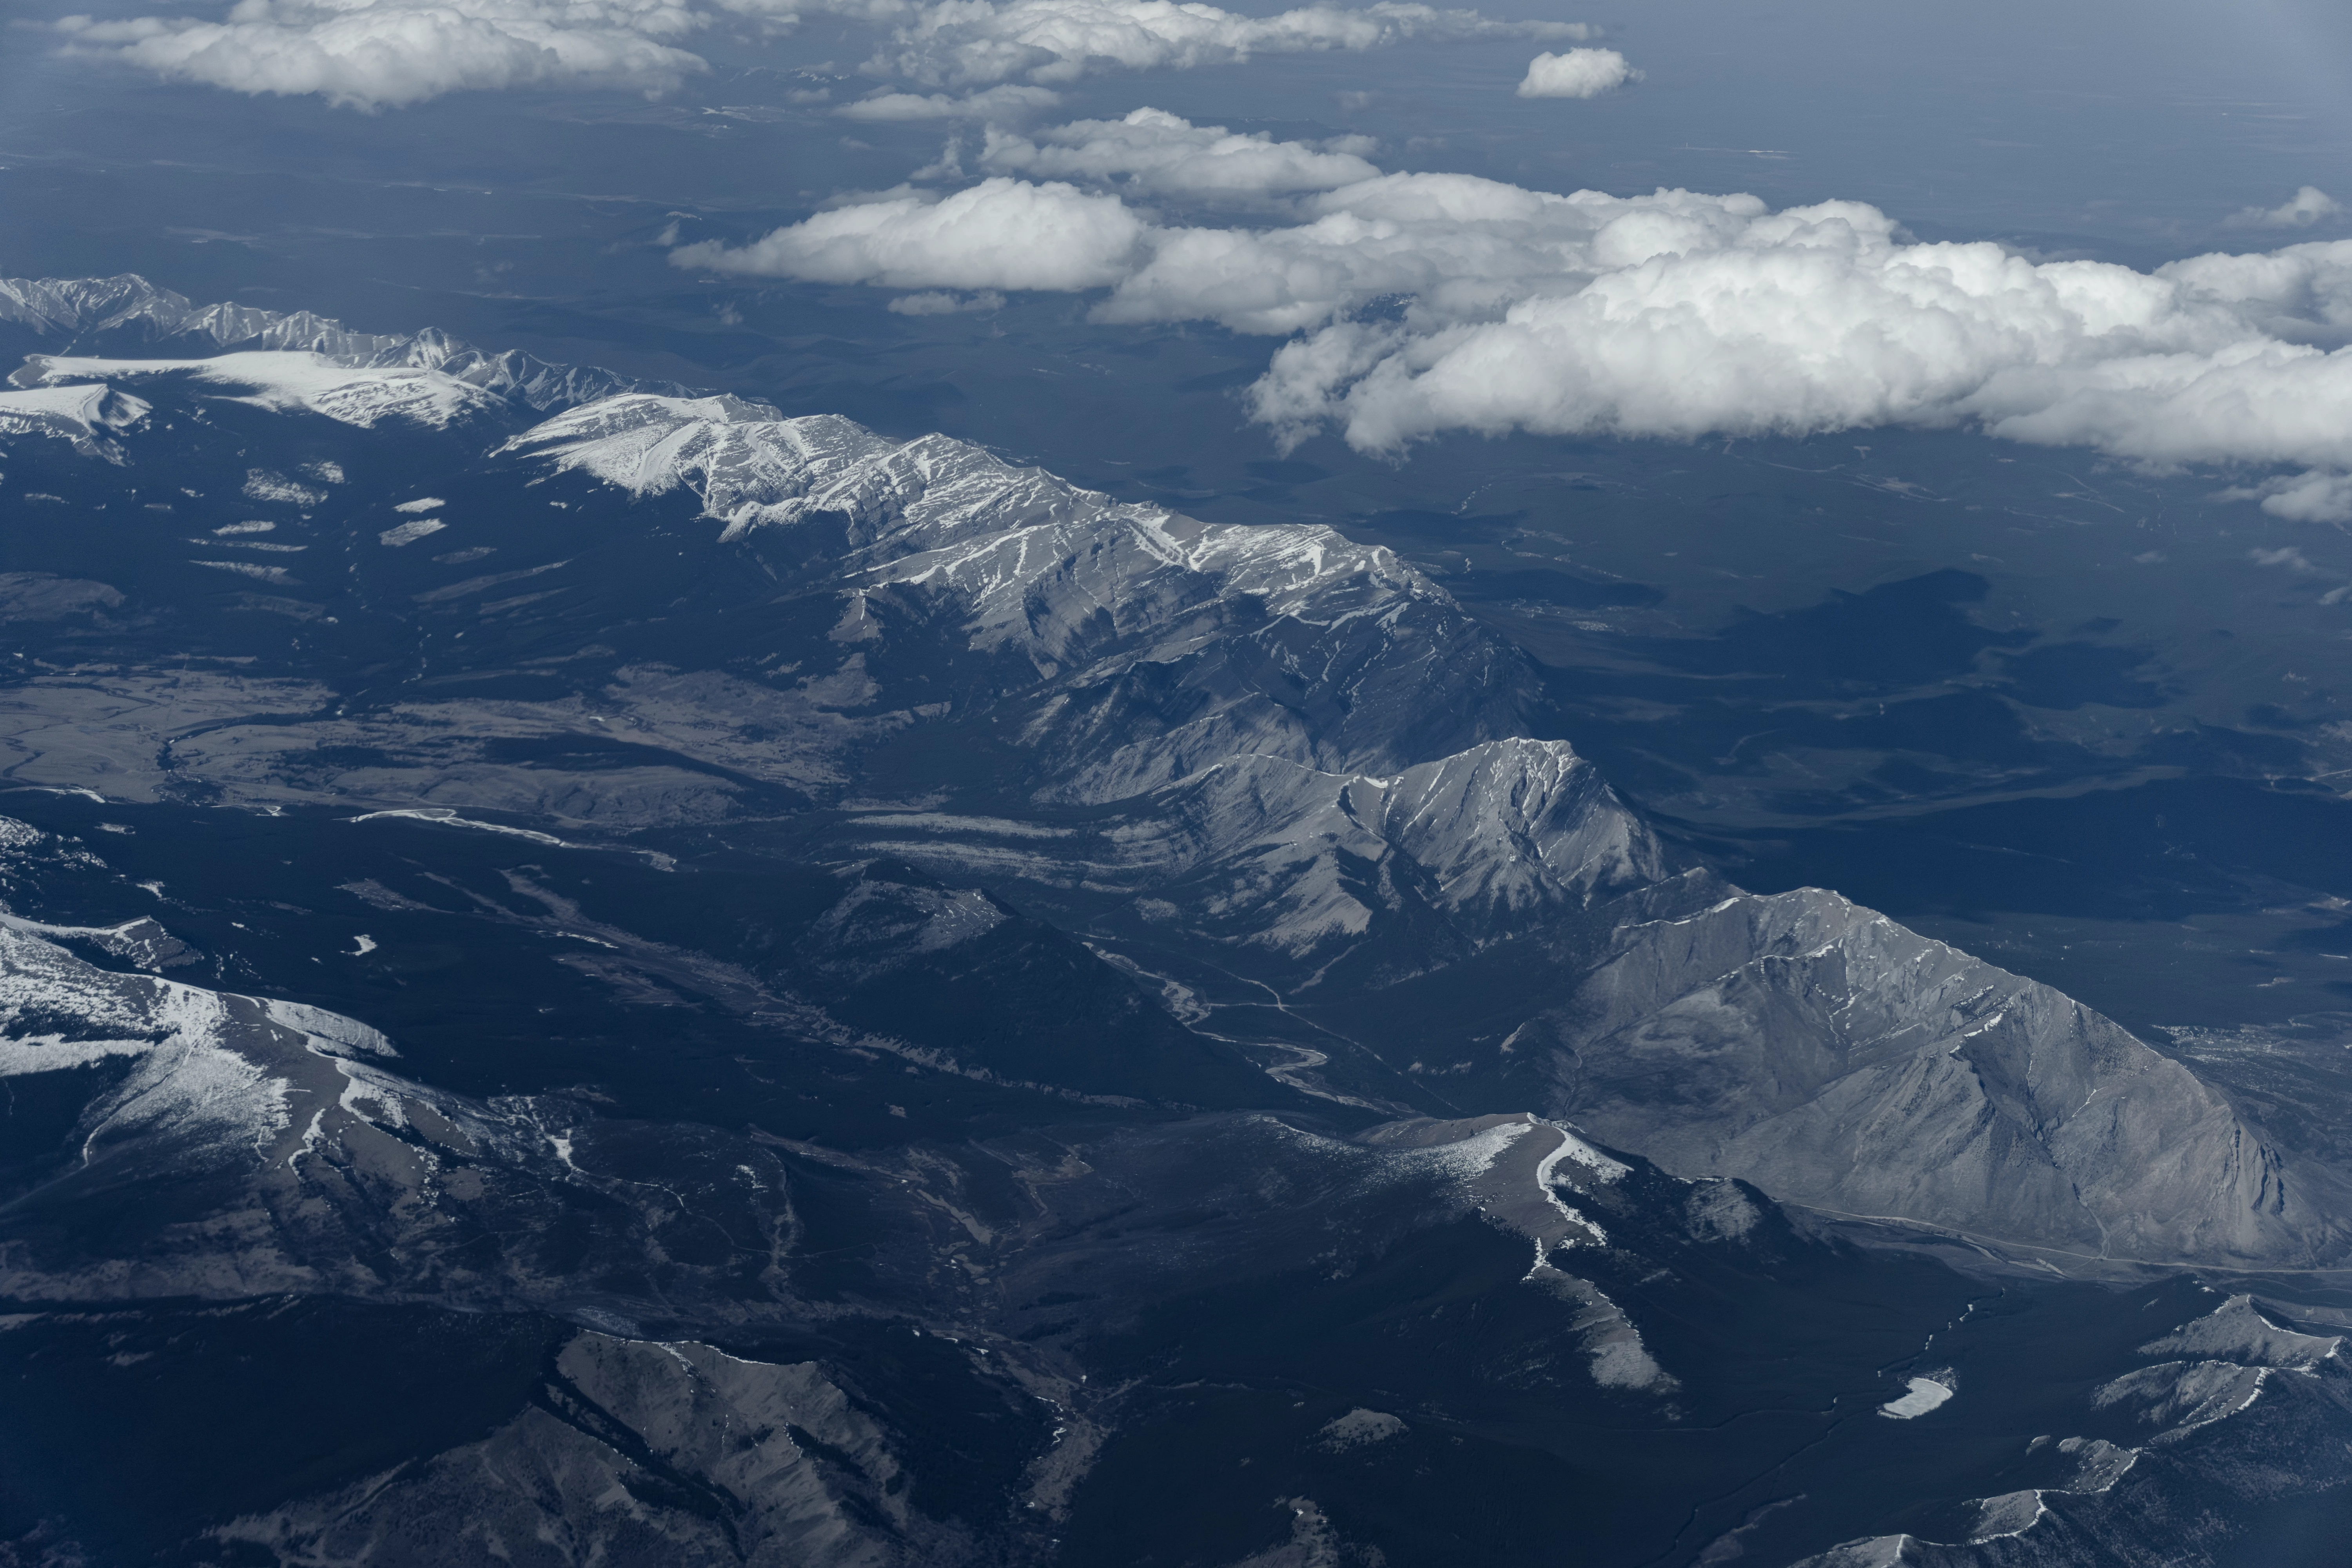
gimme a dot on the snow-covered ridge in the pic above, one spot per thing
(267, 1105)
(2219, 1402)
(128, 305)
(935, 508)
(1110, 601)
(216, 1079)
(1511, 826)
(752, 468)
(185, 1081)
(940, 513)
(282, 380)
(66, 307)
(86, 415)
(1153, 634)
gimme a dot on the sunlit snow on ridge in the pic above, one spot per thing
(285, 381)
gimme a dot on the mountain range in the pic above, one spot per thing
(751, 990)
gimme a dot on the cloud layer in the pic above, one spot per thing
(1153, 151)
(375, 54)
(1421, 304)
(1000, 234)
(371, 54)
(970, 42)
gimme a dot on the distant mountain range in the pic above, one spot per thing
(1148, 957)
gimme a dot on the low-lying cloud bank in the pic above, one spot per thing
(1424, 303)
(1155, 152)
(1000, 234)
(377, 54)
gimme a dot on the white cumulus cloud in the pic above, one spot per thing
(1151, 149)
(1579, 73)
(1421, 304)
(372, 54)
(2290, 558)
(377, 54)
(2315, 497)
(1000, 234)
(962, 42)
(2305, 207)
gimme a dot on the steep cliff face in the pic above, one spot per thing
(645, 1452)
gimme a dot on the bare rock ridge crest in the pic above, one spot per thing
(1270, 748)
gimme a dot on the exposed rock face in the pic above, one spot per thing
(646, 1452)
(1264, 855)
(1837, 1060)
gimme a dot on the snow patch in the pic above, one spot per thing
(451, 819)
(409, 533)
(1925, 1393)
(1358, 1428)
